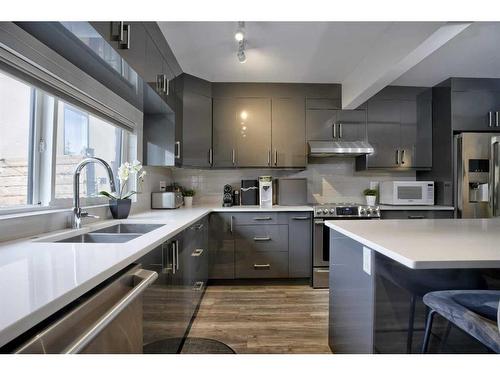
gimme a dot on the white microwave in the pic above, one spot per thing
(407, 193)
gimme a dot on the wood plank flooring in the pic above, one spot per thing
(266, 318)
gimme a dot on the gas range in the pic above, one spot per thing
(346, 210)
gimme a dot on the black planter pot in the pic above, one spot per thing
(120, 208)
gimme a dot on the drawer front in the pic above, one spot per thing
(261, 238)
(261, 264)
(256, 218)
(417, 214)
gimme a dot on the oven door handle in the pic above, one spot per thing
(319, 221)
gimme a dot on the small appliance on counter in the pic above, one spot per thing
(236, 197)
(166, 199)
(292, 191)
(413, 193)
(249, 195)
(227, 198)
(266, 191)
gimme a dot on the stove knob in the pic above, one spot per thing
(332, 211)
(319, 211)
(363, 211)
(368, 211)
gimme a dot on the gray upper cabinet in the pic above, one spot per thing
(288, 133)
(194, 122)
(476, 110)
(242, 132)
(224, 142)
(399, 127)
(340, 125)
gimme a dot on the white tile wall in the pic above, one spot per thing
(329, 180)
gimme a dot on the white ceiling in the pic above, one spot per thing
(473, 53)
(363, 56)
(276, 52)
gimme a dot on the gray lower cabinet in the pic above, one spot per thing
(170, 303)
(221, 246)
(417, 214)
(260, 245)
(288, 133)
(299, 244)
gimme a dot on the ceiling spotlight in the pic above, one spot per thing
(240, 32)
(242, 58)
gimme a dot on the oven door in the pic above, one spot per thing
(321, 255)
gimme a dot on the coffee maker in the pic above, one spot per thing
(266, 191)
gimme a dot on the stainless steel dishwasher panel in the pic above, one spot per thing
(106, 322)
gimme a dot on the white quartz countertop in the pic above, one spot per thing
(38, 278)
(421, 244)
(386, 207)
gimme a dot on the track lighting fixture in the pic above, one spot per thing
(240, 38)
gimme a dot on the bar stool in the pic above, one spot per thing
(476, 312)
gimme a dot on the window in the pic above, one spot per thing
(16, 128)
(37, 129)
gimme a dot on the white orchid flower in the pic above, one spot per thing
(136, 166)
(123, 172)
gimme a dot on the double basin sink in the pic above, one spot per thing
(118, 233)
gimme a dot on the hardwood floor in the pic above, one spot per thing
(266, 318)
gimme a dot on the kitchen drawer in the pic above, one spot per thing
(258, 218)
(417, 214)
(261, 238)
(261, 264)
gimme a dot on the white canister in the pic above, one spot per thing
(370, 200)
(188, 201)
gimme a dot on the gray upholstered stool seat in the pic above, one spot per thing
(473, 311)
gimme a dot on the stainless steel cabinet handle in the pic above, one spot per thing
(262, 266)
(416, 217)
(275, 157)
(177, 254)
(340, 130)
(497, 122)
(269, 157)
(124, 44)
(334, 130)
(233, 156)
(321, 271)
(147, 278)
(490, 119)
(231, 227)
(262, 218)
(300, 218)
(177, 150)
(197, 253)
(174, 260)
(402, 156)
(397, 157)
(262, 238)
(121, 34)
(198, 286)
(167, 85)
(319, 222)
(210, 157)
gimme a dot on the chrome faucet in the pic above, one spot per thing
(78, 214)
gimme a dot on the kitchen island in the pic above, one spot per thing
(379, 271)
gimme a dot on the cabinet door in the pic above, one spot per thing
(196, 130)
(252, 122)
(153, 64)
(408, 131)
(221, 246)
(224, 132)
(135, 54)
(320, 124)
(288, 132)
(422, 157)
(164, 311)
(383, 128)
(183, 283)
(351, 125)
(470, 109)
(299, 244)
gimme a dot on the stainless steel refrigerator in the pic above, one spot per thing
(477, 161)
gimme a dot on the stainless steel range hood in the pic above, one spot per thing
(339, 148)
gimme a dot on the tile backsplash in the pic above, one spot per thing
(329, 180)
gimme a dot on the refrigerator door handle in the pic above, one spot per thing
(494, 158)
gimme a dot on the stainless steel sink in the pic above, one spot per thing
(100, 238)
(129, 228)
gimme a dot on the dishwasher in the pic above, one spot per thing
(106, 320)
